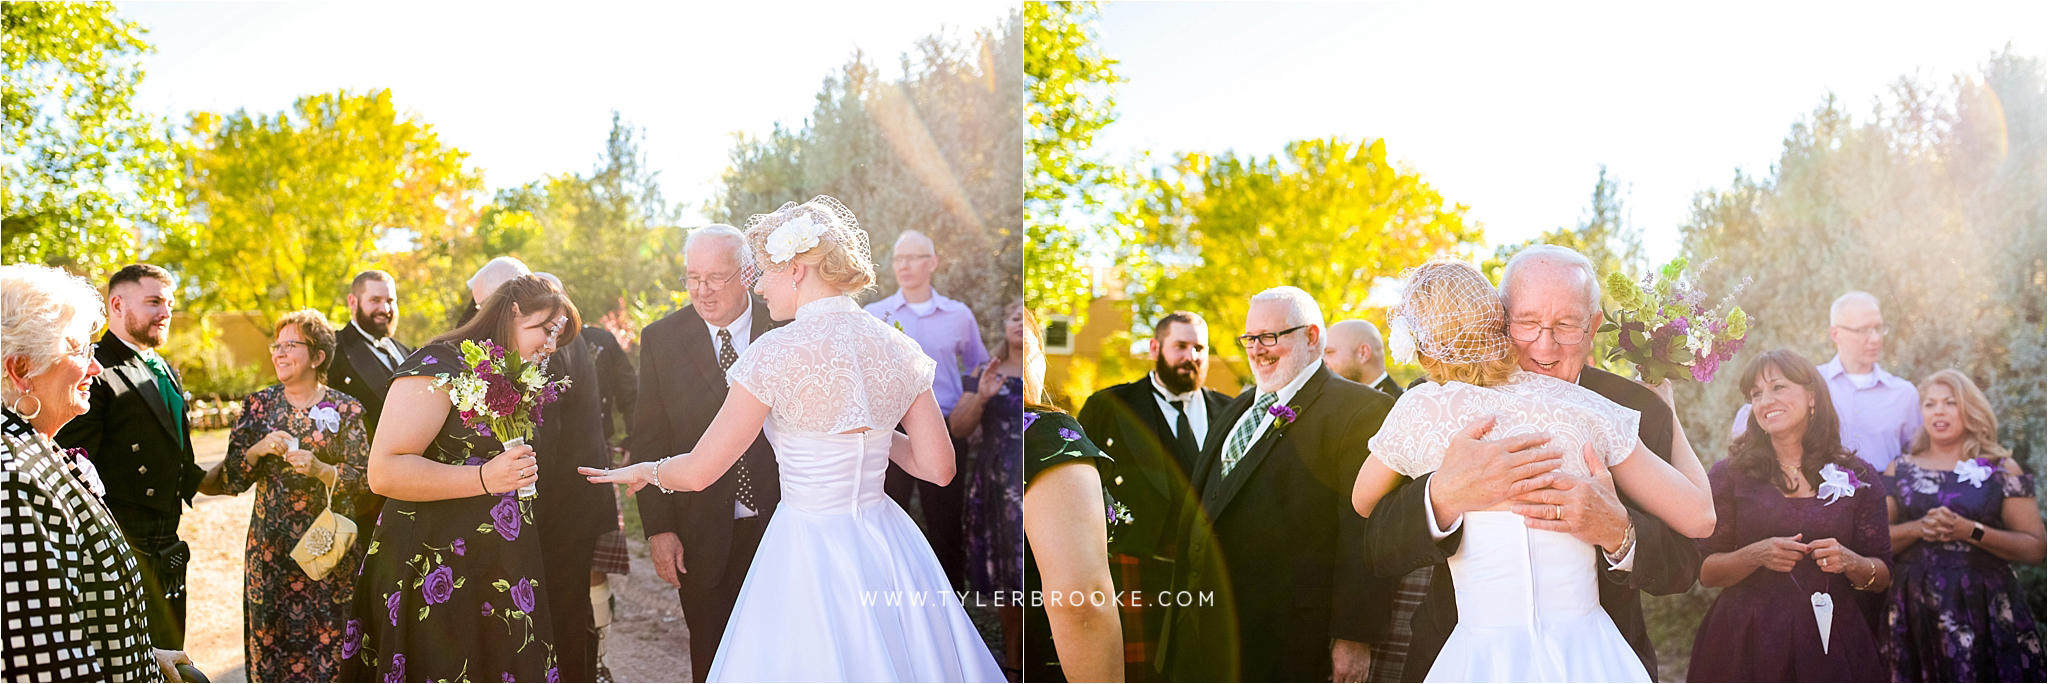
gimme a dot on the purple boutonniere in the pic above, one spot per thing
(1283, 415)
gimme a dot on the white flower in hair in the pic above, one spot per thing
(793, 237)
(1401, 341)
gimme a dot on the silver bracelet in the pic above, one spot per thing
(657, 473)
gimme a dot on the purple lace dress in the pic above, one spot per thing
(1763, 629)
(1957, 613)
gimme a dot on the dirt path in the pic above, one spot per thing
(647, 642)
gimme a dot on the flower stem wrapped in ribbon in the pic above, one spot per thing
(1666, 329)
(501, 395)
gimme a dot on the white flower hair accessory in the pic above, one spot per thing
(1401, 340)
(1837, 483)
(793, 237)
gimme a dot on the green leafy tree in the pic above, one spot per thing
(938, 150)
(1327, 216)
(1068, 189)
(288, 207)
(87, 179)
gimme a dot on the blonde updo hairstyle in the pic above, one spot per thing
(841, 257)
(1459, 324)
(40, 307)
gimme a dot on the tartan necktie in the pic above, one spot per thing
(1241, 438)
(173, 401)
(743, 491)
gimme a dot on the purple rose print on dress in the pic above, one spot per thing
(474, 460)
(439, 585)
(505, 517)
(391, 602)
(458, 547)
(351, 639)
(506, 677)
(522, 594)
(554, 674)
(1069, 435)
(430, 360)
(397, 673)
(1029, 418)
(487, 608)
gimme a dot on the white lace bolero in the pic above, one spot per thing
(1420, 427)
(834, 369)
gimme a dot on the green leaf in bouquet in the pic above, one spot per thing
(1608, 327)
(1681, 356)
(1624, 290)
(1738, 324)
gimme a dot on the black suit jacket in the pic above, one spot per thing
(141, 451)
(357, 372)
(1276, 543)
(570, 436)
(616, 378)
(1151, 469)
(1391, 388)
(681, 390)
(1666, 562)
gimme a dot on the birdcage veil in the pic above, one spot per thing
(1450, 313)
(777, 237)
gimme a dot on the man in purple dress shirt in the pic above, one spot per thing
(1880, 412)
(946, 330)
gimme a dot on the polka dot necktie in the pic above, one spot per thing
(744, 493)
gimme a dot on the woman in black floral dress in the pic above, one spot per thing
(993, 523)
(1962, 513)
(293, 623)
(450, 588)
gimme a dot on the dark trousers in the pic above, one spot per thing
(566, 567)
(154, 536)
(941, 507)
(707, 608)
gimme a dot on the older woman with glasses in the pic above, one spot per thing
(302, 445)
(76, 607)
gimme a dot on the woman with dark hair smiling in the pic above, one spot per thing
(1801, 533)
(450, 588)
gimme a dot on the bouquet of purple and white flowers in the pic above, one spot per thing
(501, 396)
(1666, 329)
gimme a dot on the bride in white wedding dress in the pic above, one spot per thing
(844, 587)
(1528, 600)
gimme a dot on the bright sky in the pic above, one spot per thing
(1511, 107)
(528, 88)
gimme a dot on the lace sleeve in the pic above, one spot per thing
(751, 373)
(1614, 431)
(834, 372)
(1412, 439)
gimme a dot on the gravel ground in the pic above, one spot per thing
(647, 642)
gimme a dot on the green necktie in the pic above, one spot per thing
(1241, 438)
(172, 399)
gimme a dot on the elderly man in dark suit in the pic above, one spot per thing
(1272, 592)
(365, 355)
(138, 438)
(703, 542)
(1155, 428)
(1552, 296)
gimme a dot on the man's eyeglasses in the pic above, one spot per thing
(1248, 341)
(1565, 334)
(1878, 330)
(711, 283)
(908, 258)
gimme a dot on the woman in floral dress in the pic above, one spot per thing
(450, 588)
(290, 435)
(993, 522)
(1962, 513)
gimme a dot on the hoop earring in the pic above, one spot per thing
(16, 406)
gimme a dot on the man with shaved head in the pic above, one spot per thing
(1880, 412)
(1355, 352)
(946, 330)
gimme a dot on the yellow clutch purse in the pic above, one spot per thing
(326, 540)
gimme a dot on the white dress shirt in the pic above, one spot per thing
(1197, 409)
(1286, 394)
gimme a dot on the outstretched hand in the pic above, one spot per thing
(633, 476)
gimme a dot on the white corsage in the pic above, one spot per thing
(325, 417)
(793, 237)
(1400, 341)
(1974, 471)
(1836, 483)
